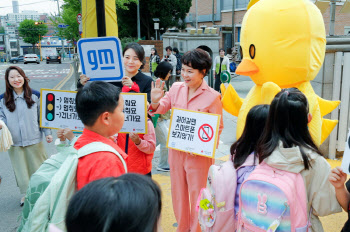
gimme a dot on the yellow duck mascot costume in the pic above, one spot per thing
(283, 45)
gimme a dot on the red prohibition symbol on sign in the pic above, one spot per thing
(205, 133)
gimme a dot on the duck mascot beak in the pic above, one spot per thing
(247, 67)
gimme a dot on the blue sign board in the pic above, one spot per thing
(63, 25)
(101, 58)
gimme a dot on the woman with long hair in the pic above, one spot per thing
(154, 60)
(20, 111)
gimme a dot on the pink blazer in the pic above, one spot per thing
(205, 99)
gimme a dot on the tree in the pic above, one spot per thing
(30, 32)
(171, 13)
(2, 30)
(70, 9)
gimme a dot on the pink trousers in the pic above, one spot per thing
(188, 175)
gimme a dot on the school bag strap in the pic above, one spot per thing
(100, 147)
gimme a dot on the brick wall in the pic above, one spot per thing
(205, 7)
(341, 20)
(158, 44)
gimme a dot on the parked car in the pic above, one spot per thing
(31, 58)
(53, 58)
(15, 60)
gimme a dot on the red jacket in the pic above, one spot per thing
(97, 165)
(140, 156)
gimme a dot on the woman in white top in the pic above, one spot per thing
(221, 63)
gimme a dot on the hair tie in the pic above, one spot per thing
(287, 93)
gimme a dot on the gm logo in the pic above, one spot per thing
(101, 58)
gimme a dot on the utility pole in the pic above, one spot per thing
(62, 51)
(138, 21)
(196, 15)
(332, 22)
(233, 22)
(213, 14)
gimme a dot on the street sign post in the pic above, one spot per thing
(101, 58)
(79, 18)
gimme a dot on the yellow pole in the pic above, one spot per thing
(90, 21)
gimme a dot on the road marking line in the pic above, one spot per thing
(64, 80)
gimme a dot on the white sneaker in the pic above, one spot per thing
(163, 169)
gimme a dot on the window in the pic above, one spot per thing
(239, 4)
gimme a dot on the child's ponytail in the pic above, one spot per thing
(287, 122)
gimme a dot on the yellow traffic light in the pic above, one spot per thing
(37, 23)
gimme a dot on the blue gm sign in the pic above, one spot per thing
(101, 58)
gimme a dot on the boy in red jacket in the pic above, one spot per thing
(100, 107)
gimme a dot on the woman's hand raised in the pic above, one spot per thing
(157, 91)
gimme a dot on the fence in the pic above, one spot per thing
(334, 84)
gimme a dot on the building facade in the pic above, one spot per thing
(218, 13)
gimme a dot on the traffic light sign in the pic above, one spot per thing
(50, 107)
(37, 23)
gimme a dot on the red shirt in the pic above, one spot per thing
(97, 165)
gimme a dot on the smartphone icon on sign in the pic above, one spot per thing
(204, 135)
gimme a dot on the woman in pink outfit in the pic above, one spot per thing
(188, 172)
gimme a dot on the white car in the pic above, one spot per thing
(31, 58)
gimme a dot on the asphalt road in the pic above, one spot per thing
(41, 76)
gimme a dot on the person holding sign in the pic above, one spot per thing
(188, 172)
(134, 60)
(140, 148)
(20, 111)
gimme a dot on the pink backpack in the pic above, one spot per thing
(216, 202)
(272, 200)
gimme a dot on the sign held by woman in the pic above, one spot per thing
(193, 131)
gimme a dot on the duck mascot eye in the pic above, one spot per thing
(286, 53)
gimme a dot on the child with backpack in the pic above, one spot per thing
(90, 157)
(232, 173)
(289, 189)
(138, 147)
(100, 107)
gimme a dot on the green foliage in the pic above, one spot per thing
(171, 13)
(125, 40)
(69, 12)
(122, 4)
(2, 30)
(31, 32)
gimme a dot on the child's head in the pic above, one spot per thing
(254, 126)
(131, 202)
(163, 70)
(287, 122)
(100, 106)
